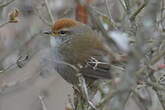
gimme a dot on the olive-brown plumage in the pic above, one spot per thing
(77, 44)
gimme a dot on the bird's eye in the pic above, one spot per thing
(62, 32)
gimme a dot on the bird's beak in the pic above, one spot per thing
(50, 33)
(47, 32)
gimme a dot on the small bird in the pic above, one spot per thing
(78, 45)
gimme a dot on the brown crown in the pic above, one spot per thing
(64, 23)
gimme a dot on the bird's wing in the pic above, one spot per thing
(96, 69)
(67, 71)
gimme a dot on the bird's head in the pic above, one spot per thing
(66, 26)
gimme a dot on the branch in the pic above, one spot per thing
(153, 61)
(127, 5)
(158, 57)
(3, 24)
(37, 13)
(106, 98)
(160, 97)
(133, 16)
(155, 85)
(41, 98)
(11, 66)
(109, 13)
(49, 11)
(6, 4)
(123, 5)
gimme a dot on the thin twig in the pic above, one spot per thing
(37, 13)
(157, 57)
(3, 24)
(97, 11)
(108, 8)
(104, 15)
(139, 100)
(49, 11)
(153, 61)
(96, 20)
(155, 85)
(161, 14)
(127, 5)
(19, 61)
(6, 4)
(85, 90)
(71, 103)
(133, 16)
(106, 98)
(41, 98)
(123, 5)
(158, 92)
(11, 66)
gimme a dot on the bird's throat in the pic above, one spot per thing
(55, 42)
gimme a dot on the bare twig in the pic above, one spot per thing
(84, 89)
(127, 5)
(37, 13)
(6, 4)
(155, 85)
(96, 20)
(123, 5)
(106, 98)
(21, 60)
(157, 57)
(3, 24)
(41, 98)
(161, 14)
(49, 11)
(97, 11)
(108, 8)
(11, 66)
(70, 102)
(158, 92)
(133, 16)
(139, 100)
(153, 61)
(104, 15)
